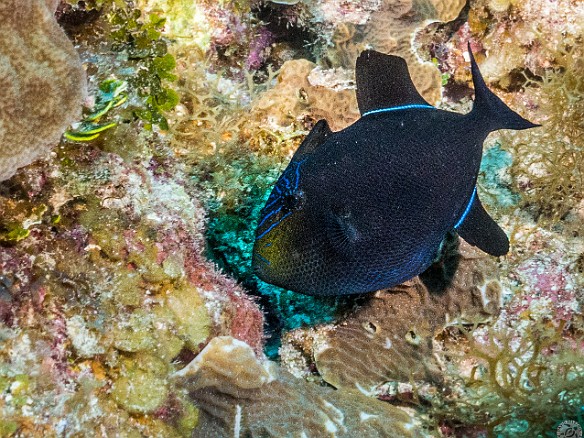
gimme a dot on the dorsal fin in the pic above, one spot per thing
(317, 136)
(383, 81)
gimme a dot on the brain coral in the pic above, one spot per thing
(305, 90)
(391, 337)
(391, 30)
(43, 83)
(240, 395)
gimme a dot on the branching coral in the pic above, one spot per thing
(514, 382)
(44, 83)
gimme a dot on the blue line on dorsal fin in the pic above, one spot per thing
(467, 209)
(383, 81)
(397, 108)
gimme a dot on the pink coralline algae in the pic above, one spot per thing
(548, 285)
(259, 49)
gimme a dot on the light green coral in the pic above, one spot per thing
(142, 388)
(192, 321)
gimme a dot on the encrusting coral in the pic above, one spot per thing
(43, 83)
(390, 336)
(241, 395)
(306, 91)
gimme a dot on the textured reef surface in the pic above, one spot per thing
(139, 141)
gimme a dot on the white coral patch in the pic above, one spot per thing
(237, 422)
(330, 426)
(85, 341)
(364, 416)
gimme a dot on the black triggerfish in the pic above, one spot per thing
(368, 207)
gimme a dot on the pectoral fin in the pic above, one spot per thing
(342, 232)
(479, 229)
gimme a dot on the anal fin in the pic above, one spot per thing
(479, 229)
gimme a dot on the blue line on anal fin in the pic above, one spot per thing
(467, 209)
(479, 229)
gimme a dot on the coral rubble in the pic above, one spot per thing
(43, 83)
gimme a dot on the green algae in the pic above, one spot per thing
(188, 419)
(167, 342)
(133, 332)
(17, 220)
(190, 315)
(140, 392)
(140, 37)
(8, 427)
(128, 288)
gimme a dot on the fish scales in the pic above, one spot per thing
(368, 207)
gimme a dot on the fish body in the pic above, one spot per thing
(368, 207)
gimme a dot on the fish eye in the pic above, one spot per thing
(292, 201)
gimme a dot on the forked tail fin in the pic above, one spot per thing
(489, 109)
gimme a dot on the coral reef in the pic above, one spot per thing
(127, 302)
(139, 296)
(530, 56)
(44, 83)
(241, 395)
(391, 334)
(305, 91)
(393, 28)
